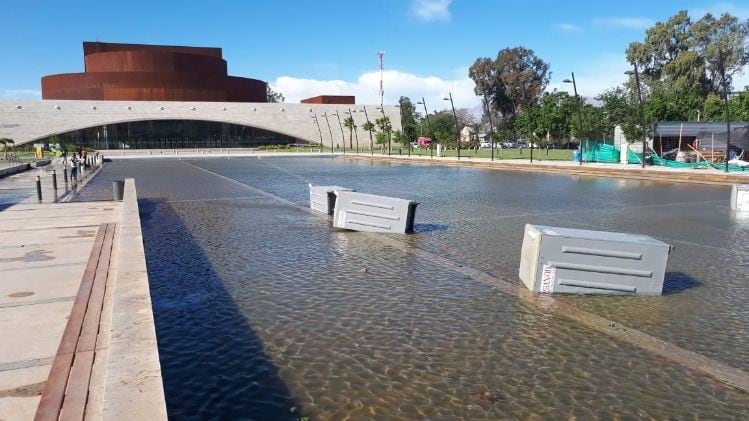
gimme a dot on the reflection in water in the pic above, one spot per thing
(261, 308)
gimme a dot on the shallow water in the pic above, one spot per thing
(265, 311)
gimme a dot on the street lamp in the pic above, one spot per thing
(353, 124)
(325, 114)
(371, 142)
(314, 117)
(429, 123)
(721, 67)
(491, 125)
(456, 120)
(343, 137)
(642, 114)
(579, 113)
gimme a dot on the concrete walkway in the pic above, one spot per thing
(44, 251)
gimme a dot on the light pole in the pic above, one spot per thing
(722, 69)
(325, 114)
(369, 124)
(353, 127)
(343, 137)
(579, 113)
(491, 125)
(642, 114)
(429, 123)
(314, 117)
(456, 120)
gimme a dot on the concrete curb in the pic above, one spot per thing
(15, 169)
(649, 173)
(134, 388)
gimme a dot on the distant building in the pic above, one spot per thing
(466, 134)
(330, 99)
(680, 135)
(134, 96)
(136, 72)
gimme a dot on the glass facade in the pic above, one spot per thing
(172, 134)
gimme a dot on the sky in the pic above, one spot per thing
(304, 48)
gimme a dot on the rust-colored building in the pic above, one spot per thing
(330, 99)
(137, 72)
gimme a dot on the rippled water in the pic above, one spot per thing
(265, 311)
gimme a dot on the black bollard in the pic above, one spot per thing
(65, 173)
(39, 188)
(54, 180)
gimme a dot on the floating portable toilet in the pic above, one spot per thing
(563, 260)
(369, 212)
(740, 197)
(322, 198)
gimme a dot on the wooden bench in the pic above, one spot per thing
(66, 391)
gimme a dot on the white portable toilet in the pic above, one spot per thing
(740, 197)
(575, 261)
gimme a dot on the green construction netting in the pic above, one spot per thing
(600, 151)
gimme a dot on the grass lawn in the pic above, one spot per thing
(542, 155)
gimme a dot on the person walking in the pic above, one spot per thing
(74, 170)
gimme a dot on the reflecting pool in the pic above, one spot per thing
(263, 310)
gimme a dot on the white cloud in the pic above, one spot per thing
(396, 84)
(594, 76)
(568, 27)
(20, 94)
(740, 80)
(627, 23)
(431, 10)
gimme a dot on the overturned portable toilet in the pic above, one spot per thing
(574, 261)
(323, 198)
(369, 212)
(740, 197)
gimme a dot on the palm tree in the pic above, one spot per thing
(348, 123)
(369, 126)
(7, 144)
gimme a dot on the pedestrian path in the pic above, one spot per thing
(54, 183)
(44, 250)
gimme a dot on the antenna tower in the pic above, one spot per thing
(381, 55)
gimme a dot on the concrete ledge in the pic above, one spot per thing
(41, 163)
(133, 388)
(596, 170)
(15, 169)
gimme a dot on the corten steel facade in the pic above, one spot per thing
(134, 72)
(330, 99)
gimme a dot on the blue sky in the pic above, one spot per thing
(306, 48)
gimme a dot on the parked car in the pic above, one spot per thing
(486, 144)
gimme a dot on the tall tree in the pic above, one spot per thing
(386, 128)
(723, 45)
(273, 96)
(369, 127)
(443, 125)
(681, 62)
(408, 119)
(349, 123)
(513, 82)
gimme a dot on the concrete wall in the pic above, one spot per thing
(25, 121)
(133, 388)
